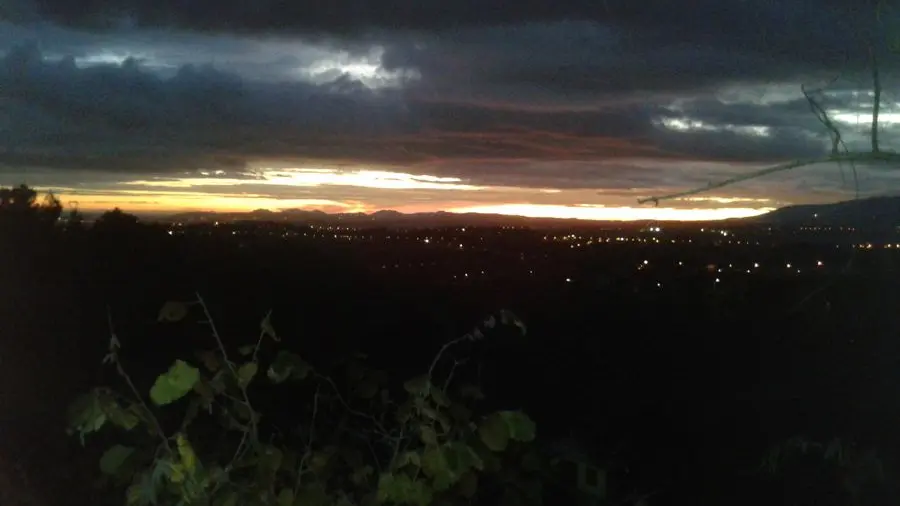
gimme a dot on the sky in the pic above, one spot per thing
(570, 108)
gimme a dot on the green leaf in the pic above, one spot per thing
(86, 414)
(246, 350)
(401, 489)
(215, 477)
(265, 326)
(490, 462)
(209, 359)
(288, 365)
(343, 500)
(174, 384)
(246, 373)
(428, 435)
(468, 456)
(418, 385)
(312, 495)
(186, 452)
(244, 413)
(436, 416)
(468, 485)
(361, 475)
(228, 499)
(447, 464)
(113, 459)
(408, 458)
(126, 418)
(494, 432)
(320, 459)
(519, 425)
(220, 382)
(286, 497)
(143, 491)
(271, 458)
(440, 398)
(205, 391)
(172, 311)
(174, 471)
(436, 467)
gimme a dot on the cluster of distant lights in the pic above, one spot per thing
(339, 232)
(349, 233)
(819, 264)
(590, 241)
(573, 241)
(827, 229)
(713, 268)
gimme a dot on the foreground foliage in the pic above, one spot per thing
(342, 436)
(857, 474)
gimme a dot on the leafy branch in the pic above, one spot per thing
(241, 377)
(429, 447)
(113, 358)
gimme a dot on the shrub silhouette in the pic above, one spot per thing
(21, 211)
(115, 221)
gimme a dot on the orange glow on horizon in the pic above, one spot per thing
(600, 213)
(174, 202)
(165, 202)
(333, 190)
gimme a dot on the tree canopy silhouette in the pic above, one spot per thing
(20, 205)
(26, 220)
(116, 220)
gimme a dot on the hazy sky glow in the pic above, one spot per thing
(564, 110)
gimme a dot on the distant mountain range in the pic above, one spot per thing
(875, 213)
(387, 219)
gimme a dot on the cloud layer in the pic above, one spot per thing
(621, 98)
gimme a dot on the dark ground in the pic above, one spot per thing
(689, 386)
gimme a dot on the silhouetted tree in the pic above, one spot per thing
(27, 222)
(74, 219)
(19, 205)
(116, 221)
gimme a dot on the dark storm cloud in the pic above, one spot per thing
(522, 93)
(576, 62)
(125, 118)
(530, 41)
(574, 47)
(736, 17)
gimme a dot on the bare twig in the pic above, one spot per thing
(113, 356)
(876, 105)
(309, 441)
(440, 353)
(864, 157)
(836, 139)
(252, 432)
(337, 392)
(456, 363)
(262, 334)
(875, 155)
